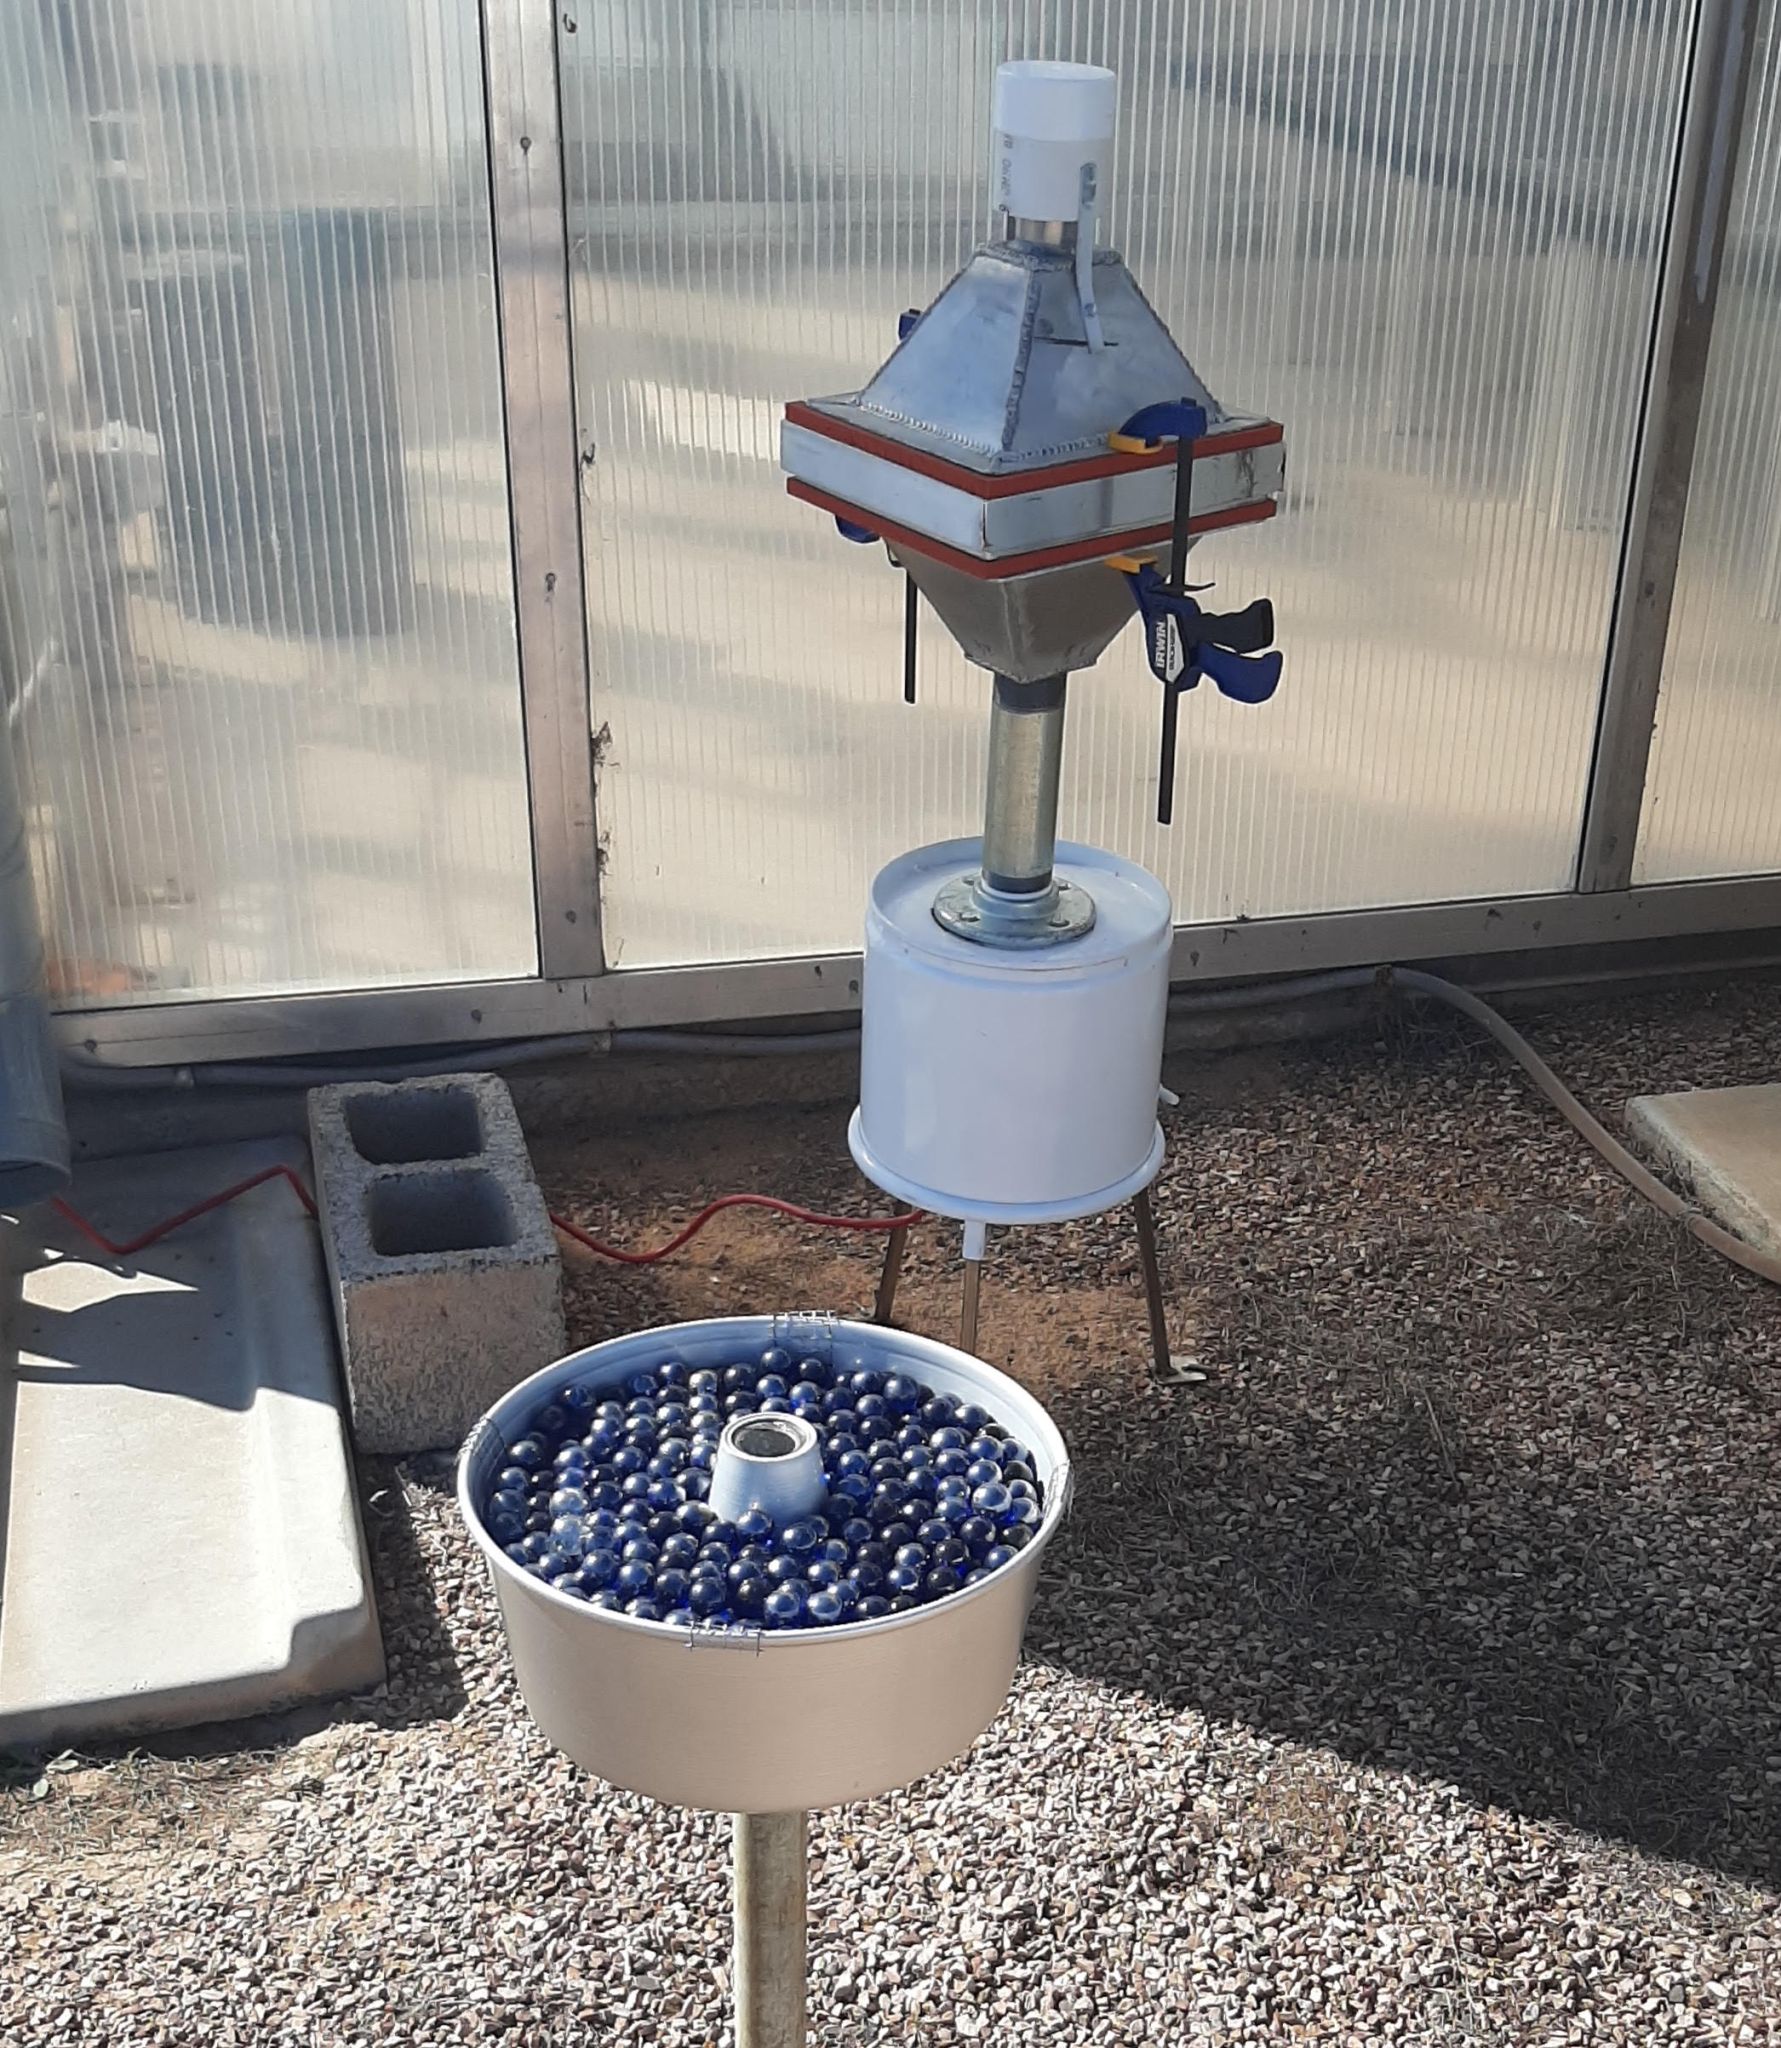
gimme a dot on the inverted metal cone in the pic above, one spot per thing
(1028, 627)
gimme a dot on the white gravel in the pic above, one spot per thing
(1413, 1681)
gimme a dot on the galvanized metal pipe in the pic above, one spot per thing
(768, 1858)
(1026, 752)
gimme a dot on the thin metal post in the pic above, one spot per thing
(968, 1306)
(544, 475)
(768, 1859)
(886, 1302)
(1153, 1283)
(1706, 161)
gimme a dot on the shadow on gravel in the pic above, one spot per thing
(1529, 1549)
(423, 1678)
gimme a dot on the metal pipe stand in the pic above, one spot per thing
(768, 1863)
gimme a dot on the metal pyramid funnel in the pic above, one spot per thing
(998, 375)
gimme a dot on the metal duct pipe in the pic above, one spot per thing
(34, 1159)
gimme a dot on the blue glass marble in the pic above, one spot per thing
(910, 1557)
(707, 1596)
(504, 1526)
(529, 1453)
(802, 1536)
(951, 1464)
(978, 1531)
(625, 1461)
(938, 1410)
(991, 1500)
(636, 1486)
(517, 1551)
(820, 1571)
(739, 1379)
(781, 1568)
(611, 1602)
(981, 1471)
(902, 1395)
(567, 1537)
(903, 1603)
(568, 1500)
(902, 1579)
(1022, 1514)
(634, 1514)
(784, 1607)
(633, 1577)
(578, 1397)
(748, 1592)
(825, 1607)
(753, 1526)
(599, 1568)
(704, 1381)
(774, 1359)
(680, 1550)
(605, 1493)
(866, 1576)
(672, 1373)
(641, 1386)
(643, 1609)
(996, 1556)
(511, 1476)
(556, 1565)
(872, 1607)
(640, 1550)
(673, 1586)
(536, 1544)
(664, 1495)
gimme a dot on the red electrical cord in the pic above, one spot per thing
(129, 1246)
(900, 1221)
(93, 1235)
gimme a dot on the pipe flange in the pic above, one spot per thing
(990, 917)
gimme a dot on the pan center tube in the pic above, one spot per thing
(1017, 899)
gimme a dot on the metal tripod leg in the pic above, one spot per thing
(893, 1271)
(1153, 1284)
(976, 1243)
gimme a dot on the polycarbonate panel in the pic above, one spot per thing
(1424, 235)
(257, 640)
(1713, 783)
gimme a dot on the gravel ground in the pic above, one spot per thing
(1412, 1680)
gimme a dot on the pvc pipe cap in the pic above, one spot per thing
(1050, 120)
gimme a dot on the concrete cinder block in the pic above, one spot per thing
(447, 1286)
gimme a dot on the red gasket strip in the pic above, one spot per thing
(1088, 469)
(1065, 552)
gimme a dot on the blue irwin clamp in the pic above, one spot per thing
(1182, 641)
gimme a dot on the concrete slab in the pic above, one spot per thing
(1725, 1143)
(183, 1541)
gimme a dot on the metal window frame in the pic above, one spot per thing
(1709, 146)
(531, 246)
(575, 993)
(627, 998)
